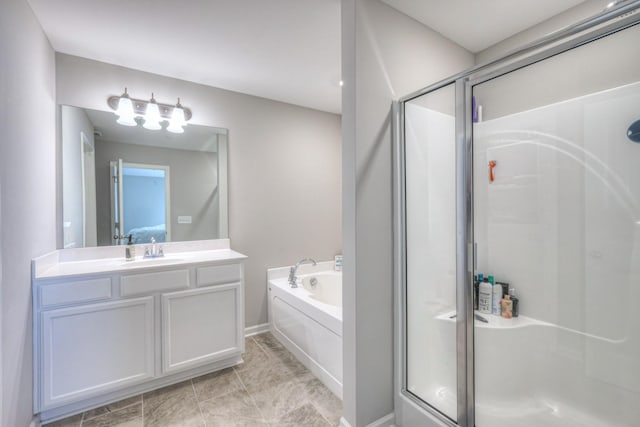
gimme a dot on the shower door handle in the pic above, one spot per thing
(475, 256)
(472, 259)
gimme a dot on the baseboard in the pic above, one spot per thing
(35, 422)
(386, 421)
(256, 329)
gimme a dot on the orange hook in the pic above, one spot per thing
(492, 164)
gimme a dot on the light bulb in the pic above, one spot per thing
(152, 115)
(177, 119)
(125, 113)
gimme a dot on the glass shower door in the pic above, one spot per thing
(430, 236)
(557, 220)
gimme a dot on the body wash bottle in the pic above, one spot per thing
(506, 307)
(496, 293)
(484, 297)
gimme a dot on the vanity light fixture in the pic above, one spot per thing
(132, 112)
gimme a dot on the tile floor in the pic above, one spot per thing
(271, 388)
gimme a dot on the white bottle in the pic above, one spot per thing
(485, 295)
(497, 297)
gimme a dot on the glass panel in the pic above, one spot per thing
(431, 249)
(557, 217)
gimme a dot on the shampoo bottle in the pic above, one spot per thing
(515, 301)
(505, 287)
(497, 297)
(484, 297)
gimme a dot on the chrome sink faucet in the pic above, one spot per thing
(156, 250)
(292, 272)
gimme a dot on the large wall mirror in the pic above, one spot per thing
(120, 181)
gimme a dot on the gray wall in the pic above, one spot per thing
(385, 55)
(193, 187)
(27, 192)
(284, 165)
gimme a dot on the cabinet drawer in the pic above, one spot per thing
(137, 284)
(219, 274)
(55, 294)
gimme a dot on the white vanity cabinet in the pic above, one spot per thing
(107, 335)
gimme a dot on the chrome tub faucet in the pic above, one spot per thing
(292, 272)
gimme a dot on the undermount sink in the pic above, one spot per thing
(139, 262)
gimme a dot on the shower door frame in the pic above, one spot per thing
(410, 409)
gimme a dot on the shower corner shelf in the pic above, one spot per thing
(496, 322)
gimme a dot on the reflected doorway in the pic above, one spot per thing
(140, 200)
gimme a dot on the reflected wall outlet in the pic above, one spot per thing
(184, 219)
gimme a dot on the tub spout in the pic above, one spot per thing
(292, 272)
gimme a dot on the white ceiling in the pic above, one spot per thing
(287, 50)
(478, 24)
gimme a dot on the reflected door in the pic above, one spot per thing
(140, 202)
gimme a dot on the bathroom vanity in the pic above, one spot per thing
(106, 328)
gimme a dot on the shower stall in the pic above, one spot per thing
(526, 170)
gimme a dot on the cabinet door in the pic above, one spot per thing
(94, 349)
(201, 326)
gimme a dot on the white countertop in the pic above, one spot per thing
(63, 263)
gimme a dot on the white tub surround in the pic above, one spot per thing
(307, 320)
(106, 328)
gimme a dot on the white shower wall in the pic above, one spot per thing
(560, 223)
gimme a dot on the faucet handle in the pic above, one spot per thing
(153, 240)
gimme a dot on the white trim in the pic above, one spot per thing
(256, 329)
(386, 421)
